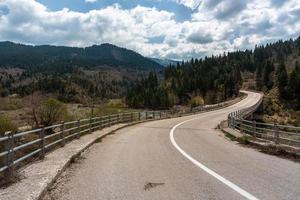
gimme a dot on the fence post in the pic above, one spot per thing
(78, 128)
(276, 134)
(254, 128)
(241, 127)
(139, 116)
(62, 134)
(159, 114)
(9, 147)
(42, 143)
(91, 126)
(131, 116)
(112, 121)
(101, 122)
(109, 122)
(146, 115)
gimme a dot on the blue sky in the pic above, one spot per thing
(182, 12)
(174, 29)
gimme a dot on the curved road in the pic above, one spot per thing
(182, 158)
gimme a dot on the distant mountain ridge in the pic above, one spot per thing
(52, 58)
(165, 62)
(71, 73)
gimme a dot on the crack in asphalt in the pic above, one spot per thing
(150, 185)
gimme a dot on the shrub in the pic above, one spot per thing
(243, 140)
(51, 111)
(197, 101)
(6, 125)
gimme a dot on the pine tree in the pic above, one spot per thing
(267, 75)
(282, 80)
(294, 84)
(258, 76)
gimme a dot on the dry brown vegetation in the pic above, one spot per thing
(24, 112)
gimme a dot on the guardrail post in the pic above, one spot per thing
(254, 128)
(276, 134)
(101, 122)
(116, 118)
(9, 147)
(62, 134)
(78, 128)
(241, 127)
(229, 120)
(42, 143)
(112, 121)
(91, 126)
(233, 122)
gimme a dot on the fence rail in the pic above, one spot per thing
(19, 149)
(279, 134)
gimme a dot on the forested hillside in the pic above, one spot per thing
(208, 80)
(278, 76)
(74, 74)
(274, 70)
(271, 68)
(59, 59)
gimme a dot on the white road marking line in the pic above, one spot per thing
(206, 169)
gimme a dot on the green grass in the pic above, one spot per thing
(112, 107)
(243, 140)
(231, 137)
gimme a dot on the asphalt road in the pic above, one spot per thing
(182, 158)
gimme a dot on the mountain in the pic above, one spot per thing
(73, 74)
(165, 62)
(59, 58)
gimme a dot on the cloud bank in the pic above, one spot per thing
(90, 1)
(215, 26)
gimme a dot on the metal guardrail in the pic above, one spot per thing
(279, 134)
(19, 149)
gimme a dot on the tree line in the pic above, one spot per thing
(213, 79)
(217, 78)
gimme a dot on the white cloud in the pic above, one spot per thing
(27, 21)
(193, 4)
(90, 1)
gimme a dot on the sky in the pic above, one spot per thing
(173, 29)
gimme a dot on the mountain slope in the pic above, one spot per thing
(73, 74)
(55, 58)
